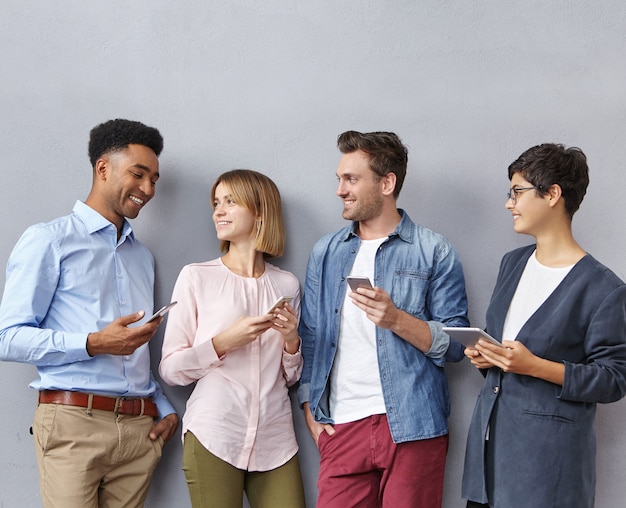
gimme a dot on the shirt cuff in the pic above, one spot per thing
(292, 358)
(440, 340)
(303, 393)
(76, 347)
(164, 407)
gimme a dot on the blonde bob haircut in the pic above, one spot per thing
(259, 194)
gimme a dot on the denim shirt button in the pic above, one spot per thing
(496, 389)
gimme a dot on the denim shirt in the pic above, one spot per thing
(423, 276)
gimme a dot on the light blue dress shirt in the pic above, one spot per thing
(66, 279)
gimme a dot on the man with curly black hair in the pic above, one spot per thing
(75, 301)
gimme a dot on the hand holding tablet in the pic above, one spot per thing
(468, 336)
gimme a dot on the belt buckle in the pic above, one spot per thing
(138, 406)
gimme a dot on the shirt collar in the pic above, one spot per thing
(96, 222)
(404, 229)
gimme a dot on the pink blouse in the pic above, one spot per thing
(240, 408)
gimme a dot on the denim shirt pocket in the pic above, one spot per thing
(410, 290)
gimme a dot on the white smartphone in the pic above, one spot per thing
(279, 303)
(469, 336)
(162, 311)
(359, 282)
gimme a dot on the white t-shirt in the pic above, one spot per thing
(355, 389)
(536, 284)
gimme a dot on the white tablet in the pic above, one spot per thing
(469, 336)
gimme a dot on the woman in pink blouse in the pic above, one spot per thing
(237, 428)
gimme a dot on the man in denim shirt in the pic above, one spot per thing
(373, 387)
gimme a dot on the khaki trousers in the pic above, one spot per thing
(97, 460)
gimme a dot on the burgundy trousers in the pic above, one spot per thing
(362, 467)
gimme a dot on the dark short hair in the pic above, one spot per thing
(548, 164)
(116, 135)
(385, 149)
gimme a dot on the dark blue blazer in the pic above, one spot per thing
(541, 447)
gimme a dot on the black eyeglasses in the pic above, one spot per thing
(515, 191)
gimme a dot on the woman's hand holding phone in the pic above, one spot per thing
(286, 323)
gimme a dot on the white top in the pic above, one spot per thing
(536, 284)
(355, 389)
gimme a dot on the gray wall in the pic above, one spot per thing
(269, 85)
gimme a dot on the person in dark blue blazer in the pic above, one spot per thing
(561, 317)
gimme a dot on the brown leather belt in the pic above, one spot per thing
(118, 405)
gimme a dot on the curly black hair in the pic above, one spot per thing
(116, 135)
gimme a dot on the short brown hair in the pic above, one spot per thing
(259, 194)
(385, 149)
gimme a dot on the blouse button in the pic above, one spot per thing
(496, 389)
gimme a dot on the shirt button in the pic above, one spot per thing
(126, 357)
(496, 389)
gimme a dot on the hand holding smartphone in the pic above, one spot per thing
(359, 282)
(161, 312)
(279, 303)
